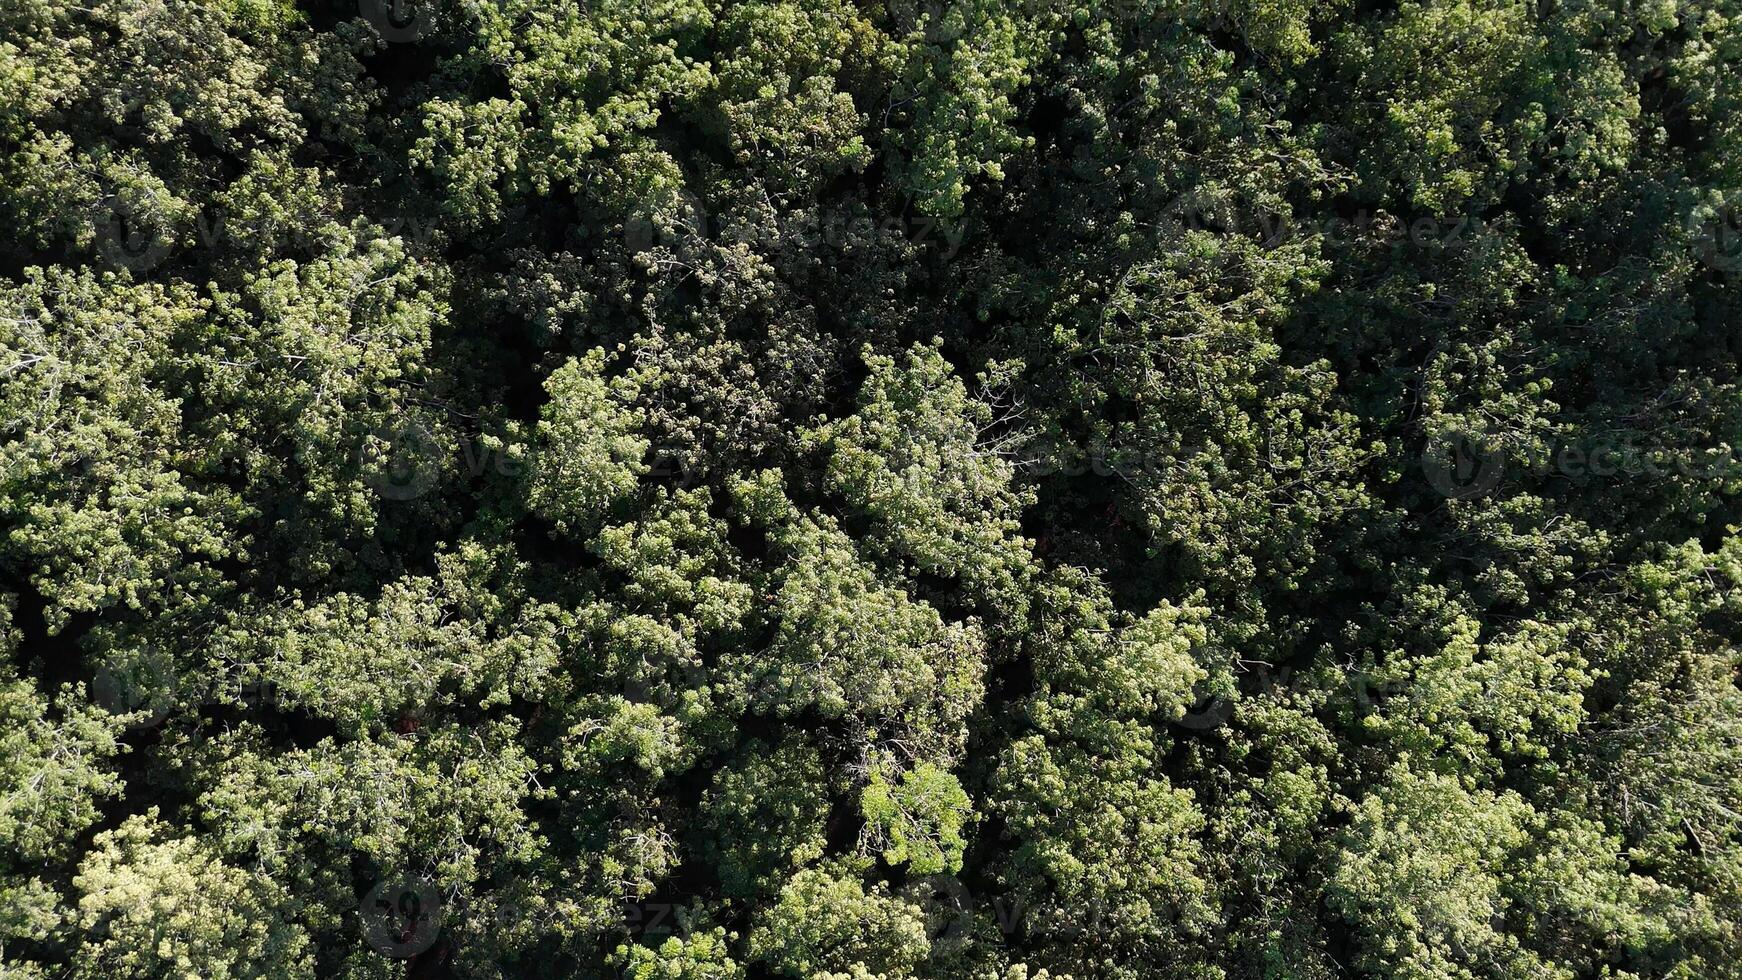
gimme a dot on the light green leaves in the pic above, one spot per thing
(918, 820)
(587, 454)
(153, 904)
(828, 923)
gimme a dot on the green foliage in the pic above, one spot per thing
(587, 456)
(764, 816)
(152, 905)
(698, 957)
(959, 489)
(919, 819)
(826, 923)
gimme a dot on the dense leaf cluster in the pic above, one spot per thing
(871, 489)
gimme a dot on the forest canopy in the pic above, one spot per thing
(871, 489)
